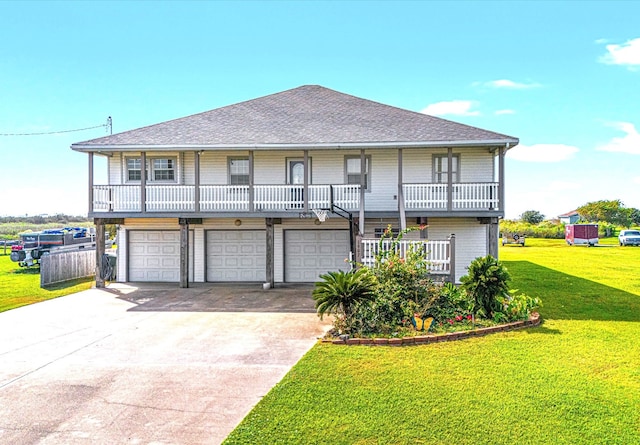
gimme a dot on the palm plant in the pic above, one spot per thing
(341, 292)
(487, 282)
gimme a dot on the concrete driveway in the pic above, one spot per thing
(154, 365)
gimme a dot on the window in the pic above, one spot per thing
(352, 171)
(134, 169)
(162, 169)
(239, 171)
(379, 231)
(441, 168)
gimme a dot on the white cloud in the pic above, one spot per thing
(510, 84)
(627, 54)
(601, 41)
(636, 180)
(499, 112)
(454, 107)
(542, 152)
(630, 143)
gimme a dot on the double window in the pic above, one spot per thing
(157, 169)
(352, 171)
(441, 168)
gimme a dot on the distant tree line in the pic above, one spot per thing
(608, 214)
(59, 218)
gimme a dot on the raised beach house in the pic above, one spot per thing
(285, 187)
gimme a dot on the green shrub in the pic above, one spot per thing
(340, 293)
(450, 302)
(487, 283)
(517, 306)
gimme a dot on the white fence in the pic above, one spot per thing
(436, 253)
(465, 196)
(59, 267)
(174, 198)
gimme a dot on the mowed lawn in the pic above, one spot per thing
(21, 286)
(573, 380)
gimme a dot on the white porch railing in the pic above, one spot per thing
(224, 197)
(116, 198)
(161, 198)
(172, 198)
(465, 196)
(475, 196)
(436, 252)
(425, 196)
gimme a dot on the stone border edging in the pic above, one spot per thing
(534, 320)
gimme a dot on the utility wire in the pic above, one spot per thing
(107, 126)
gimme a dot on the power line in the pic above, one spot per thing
(107, 126)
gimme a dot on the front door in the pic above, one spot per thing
(296, 179)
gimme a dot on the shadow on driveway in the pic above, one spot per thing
(215, 297)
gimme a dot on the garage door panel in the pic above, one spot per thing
(154, 255)
(236, 255)
(310, 253)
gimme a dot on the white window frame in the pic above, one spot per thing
(150, 172)
(231, 175)
(367, 171)
(441, 166)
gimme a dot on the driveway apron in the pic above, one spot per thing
(154, 364)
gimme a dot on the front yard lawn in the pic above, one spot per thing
(573, 380)
(21, 286)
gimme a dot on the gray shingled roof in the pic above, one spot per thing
(307, 115)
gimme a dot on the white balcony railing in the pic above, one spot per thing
(238, 198)
(222, 198)
(436, 253)
(465, 196)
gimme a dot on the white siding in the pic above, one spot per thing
(471, 239)
(198, 255)
(476, 165)
(121, 274)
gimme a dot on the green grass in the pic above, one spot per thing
(573, 380)
(21, 286)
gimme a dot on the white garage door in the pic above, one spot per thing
(309, 253)
(236, 255)
(154, 255)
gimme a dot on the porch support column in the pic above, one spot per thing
(492, 237)
(363, 184)
(305, 191)
(270, 261)
(99, 252)
(184, 253)
(452, 258)
(501, 153)
(449, 179)
(196, 180)
(143, 182)
(251, 183)
(403, 216)
(90, 182)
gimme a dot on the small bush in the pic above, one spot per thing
(487, 283)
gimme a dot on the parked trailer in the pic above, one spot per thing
(576, 234)
(34, 245)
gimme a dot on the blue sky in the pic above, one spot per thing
(564, 77)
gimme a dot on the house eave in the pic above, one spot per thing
(104, 148)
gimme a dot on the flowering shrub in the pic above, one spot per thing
(383, 299)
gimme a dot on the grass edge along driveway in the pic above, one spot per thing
(573, 380)
(21, 286)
